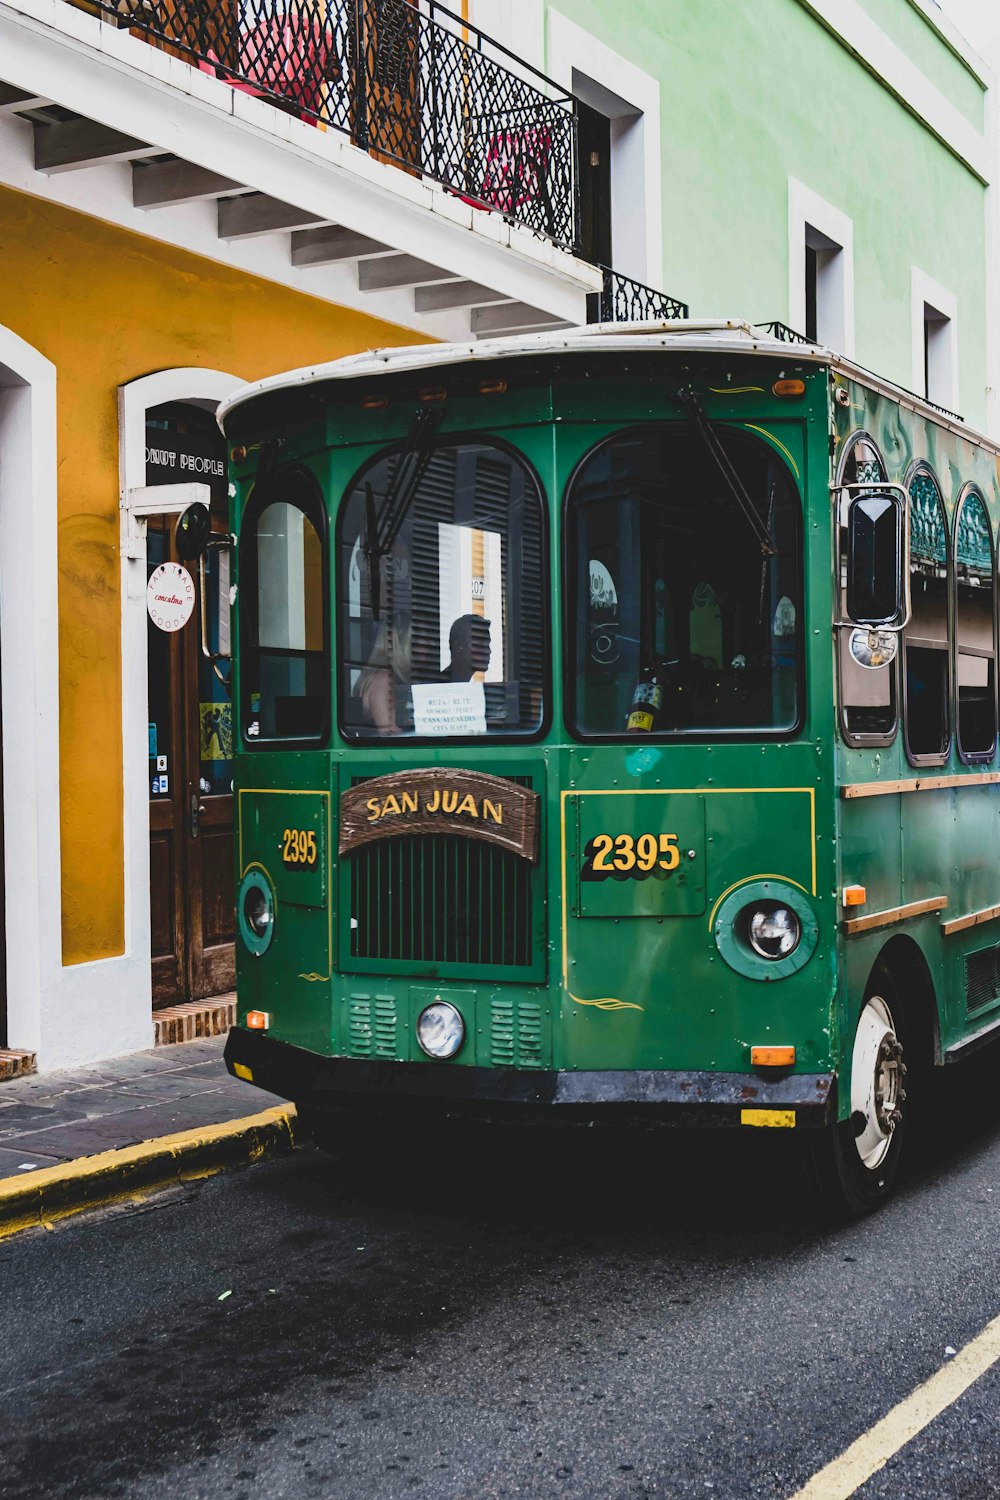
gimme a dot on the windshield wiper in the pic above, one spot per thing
(382, 528)
(691, 403)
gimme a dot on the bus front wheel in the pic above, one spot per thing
(854, 1163)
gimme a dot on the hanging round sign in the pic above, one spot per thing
(170, 596)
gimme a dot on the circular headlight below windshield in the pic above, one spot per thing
(440, 1029)
(773, 931)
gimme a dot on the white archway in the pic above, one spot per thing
(200, 387)
(29, 684)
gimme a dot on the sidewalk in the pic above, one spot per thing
(72, 1139)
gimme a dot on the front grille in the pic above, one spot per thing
(440, 899)
(982, 979)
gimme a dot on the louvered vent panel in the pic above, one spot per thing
(359, 1026)
(982, 979)
(386, 1026)
(502, 1034)
(515, 1033)
(529, 1034)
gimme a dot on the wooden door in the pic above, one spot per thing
(190, 750)
(387, 79)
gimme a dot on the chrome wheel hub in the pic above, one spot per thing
(877, 1091)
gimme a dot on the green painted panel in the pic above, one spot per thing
(275, 826)
(619, 834)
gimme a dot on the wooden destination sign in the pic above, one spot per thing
(441, 800)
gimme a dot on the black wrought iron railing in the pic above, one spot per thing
(622, 300)
(783, 333)
(420, 88)
(786, 335)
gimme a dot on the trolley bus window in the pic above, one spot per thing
(442, 633)
(671, 597)
(867, 695)
(927, 717)
(974, 630)
(285, 641)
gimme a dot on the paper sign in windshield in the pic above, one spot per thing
(452, 708)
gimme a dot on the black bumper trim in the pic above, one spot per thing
(315, 1081)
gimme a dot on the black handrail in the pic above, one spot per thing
(428, 92)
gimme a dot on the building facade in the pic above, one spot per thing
(190, 198)
(194, 194)
(828, 164)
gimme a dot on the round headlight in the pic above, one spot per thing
(774, 931)
(440, 1029)
(257, 911)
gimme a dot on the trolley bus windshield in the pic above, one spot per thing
(675, 604)
(441, 629)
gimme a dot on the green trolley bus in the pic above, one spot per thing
(617, 733)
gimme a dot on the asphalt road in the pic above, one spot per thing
(543, 1314)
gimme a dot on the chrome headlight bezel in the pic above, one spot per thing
(256, 909)
(786, 930)
(730, 921)
(440, 1030)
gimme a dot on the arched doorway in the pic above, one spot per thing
(176, 709)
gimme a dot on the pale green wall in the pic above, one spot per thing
(752, 94)
(924, 45)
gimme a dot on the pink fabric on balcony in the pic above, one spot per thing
(515, 168)
(291, 56)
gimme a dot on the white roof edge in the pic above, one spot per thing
(710, 336)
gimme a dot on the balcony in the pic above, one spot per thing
(379, 111)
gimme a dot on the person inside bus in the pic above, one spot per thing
(469, 644)
(383, 686)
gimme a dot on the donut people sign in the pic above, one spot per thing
(170, 596)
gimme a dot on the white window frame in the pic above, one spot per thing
(610, 83)
(809, 215)
(925, 293)
(30, 695)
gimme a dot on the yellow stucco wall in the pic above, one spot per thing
(105, 307)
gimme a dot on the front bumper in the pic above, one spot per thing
(671, 1098)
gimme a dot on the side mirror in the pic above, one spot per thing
(875, 560)
(191, 534)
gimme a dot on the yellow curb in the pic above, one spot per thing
(42, 1198)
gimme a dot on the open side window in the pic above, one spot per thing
(284, 611)
(867, 695)
(975, 635)
(926, 653)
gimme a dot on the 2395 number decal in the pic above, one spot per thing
(622, 854)
(298, 848)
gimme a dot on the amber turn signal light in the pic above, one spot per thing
(258, 1020)
(495, 387)
(432, 393)
(855, 895)
(789, 388)
(238, 454)
(374, 403)
(772, 1057)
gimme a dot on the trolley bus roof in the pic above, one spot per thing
(715, 336)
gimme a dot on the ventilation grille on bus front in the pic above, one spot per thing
(441, 899)
(516, 1035)
(982, 979)
(372, 1026)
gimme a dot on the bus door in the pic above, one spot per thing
(190, 738)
